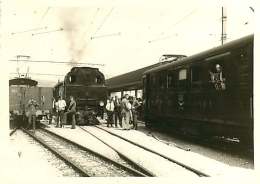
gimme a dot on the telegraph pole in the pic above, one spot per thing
(223, 25)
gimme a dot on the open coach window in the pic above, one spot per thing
(217, 70)
(217, 77)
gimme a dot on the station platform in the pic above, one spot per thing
(189, 158)
(194, 160)
(82, 138)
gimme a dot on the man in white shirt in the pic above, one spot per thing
(110, 111)
(61, 105)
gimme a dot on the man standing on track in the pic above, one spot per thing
(54, 111)
(32, 104)
(71, 111)
(61, 108)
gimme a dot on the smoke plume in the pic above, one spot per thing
(73, 22)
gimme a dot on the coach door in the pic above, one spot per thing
(146, 91)
(222, 80)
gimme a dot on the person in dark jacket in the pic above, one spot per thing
(135, 107)
(117, 111)
(71, 111)
(32, 105)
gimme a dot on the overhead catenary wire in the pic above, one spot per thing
(163, 38)
(184, 17)
(100, 26)
(91, 22)
(34, 29)
(46, 32)
(45, 13)
(105, 35)
(29, 30)
(175, 24)
(57, 62)
(104, 20)
(45, 74)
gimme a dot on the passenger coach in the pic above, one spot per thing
(210, 93)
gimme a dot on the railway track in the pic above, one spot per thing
(87, 162)
(233, 146)
(13, 131)
(28, 149)
(194, 170)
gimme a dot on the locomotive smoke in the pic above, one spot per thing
(72, 19)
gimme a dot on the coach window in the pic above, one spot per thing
(217, 75)
(171, 79)
(182, 78)
(162, 81)
(196, 76)
(183, 74)
(153, 81)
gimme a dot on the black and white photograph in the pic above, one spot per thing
(126, 90)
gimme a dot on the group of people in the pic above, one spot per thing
(124, 111)
(59, 111)
(59, 107)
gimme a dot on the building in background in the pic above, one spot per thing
(131, 83)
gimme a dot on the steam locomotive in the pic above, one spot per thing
(87, 86)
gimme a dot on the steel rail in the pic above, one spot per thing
(60, 155)
(198, 172)
(12, 132)
(212, 142)
(143, 169)
(133, 171)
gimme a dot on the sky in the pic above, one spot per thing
(118, 36)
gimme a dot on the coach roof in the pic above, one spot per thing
(205, 54)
